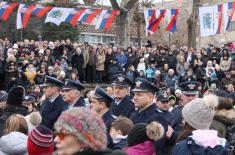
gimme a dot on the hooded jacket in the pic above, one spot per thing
(203, 142)
(15, 143)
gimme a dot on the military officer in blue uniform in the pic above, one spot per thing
(163, 106)
(144, 92)
(52, 107)
(189, 92)
(100, 101)
(71, 93)
(123, 106)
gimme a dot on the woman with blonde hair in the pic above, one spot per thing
(14, 140)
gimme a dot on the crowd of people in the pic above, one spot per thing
(159, 100)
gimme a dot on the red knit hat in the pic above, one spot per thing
(40, 141)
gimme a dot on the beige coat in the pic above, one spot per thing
(100, 59)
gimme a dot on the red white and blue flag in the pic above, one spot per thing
(220, 17)
(155, 20)
(229, 14)
(6, 9)
(106, 19)
(40, 11)
(89, 15)
(23, 15)
(172, 18)
(74, 16)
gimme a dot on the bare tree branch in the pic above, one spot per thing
(130, 4)
(89, 2)
(114, 4)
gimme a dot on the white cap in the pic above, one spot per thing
(178, 91)
(15, 46)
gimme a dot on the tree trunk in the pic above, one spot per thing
(124, 20)
(192, 25)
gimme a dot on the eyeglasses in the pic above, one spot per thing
(61, 135)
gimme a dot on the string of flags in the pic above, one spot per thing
(57, 15)
(153, 19)
(214, 19)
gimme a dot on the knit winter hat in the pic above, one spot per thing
(33, 120)
(199, 112)
(142, 132)
(86, 125)
(40, 141)
(15, 95)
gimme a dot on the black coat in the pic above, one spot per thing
(120, 145)
(77, 61)
(50, 111)
(108, 118)
(124, 108)
(8, 111)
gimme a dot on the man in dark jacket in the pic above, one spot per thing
(71, 93)
(100, 101)
(171, 60)
(123, 104)
(77, 62)
(53, 105)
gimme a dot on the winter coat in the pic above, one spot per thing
(15, 143)
(100, 59)
(204, 143)
(10, 110)
(146, 148)
(121, 60)
(77, 61)
(171, 60)
(225, 64)
(85, 54)
(105, 152)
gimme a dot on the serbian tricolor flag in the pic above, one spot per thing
(6, 9)
(23, 15)
(89, 15)
(106, 19)
(172, 18)
(74, 16)
(147, 16)
(220, 17)
(156, 18)
(229, 16)
(40, 11)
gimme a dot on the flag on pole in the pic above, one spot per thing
(229, 10)
(23, 15)
(147, 16)
(58, 15)
(40, 10)
(208, 20)
(74, 16)
(155, 20)
(172, 18)
(6, 9)
(106, 19)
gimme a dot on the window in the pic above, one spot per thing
(232, 26)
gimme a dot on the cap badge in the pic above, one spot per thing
(121, 79)
(191, 86)
(66, 83)
(138, 83)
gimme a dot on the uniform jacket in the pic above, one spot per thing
(15, 143)
(80, 103)
(50, 111)
(124, 108)
(144, 116)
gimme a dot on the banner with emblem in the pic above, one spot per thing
(58, 15)
(208, 20)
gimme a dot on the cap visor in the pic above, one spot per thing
(190, 92)
(139, 90)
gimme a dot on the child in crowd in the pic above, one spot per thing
(119, 130)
